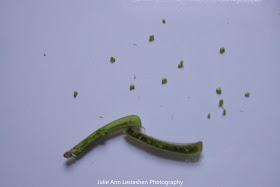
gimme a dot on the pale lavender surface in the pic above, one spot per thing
(40, 119)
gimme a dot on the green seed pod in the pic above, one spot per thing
(122, 123)
(192, 149)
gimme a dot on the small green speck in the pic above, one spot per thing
(219, 90)
(152, 37)
(208, 115)
(134, 77)
(75, 94)
(247, 94)
(163, 21)
(164, 81)
(132, 87)
(224, 111)
(222, 50)
(181, 64)
(45, 54)
(221, 102)
(112, 59)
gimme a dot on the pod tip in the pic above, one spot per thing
(68, 154)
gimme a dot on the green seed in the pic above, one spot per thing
(224, 111)
(45, 54)
(152, 37)
(112, 59)
(247, 94)
(222, 50)
(219, 90)
(208, 115)
(181, 64)
(132, 87)
(221, 102)
(164, 81)
(75, 94)
(163, 21)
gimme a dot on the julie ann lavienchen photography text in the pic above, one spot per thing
(142, 182)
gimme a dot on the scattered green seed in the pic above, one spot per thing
(164, 81)
(45, 54)
(132, 87)
(247, 94)
(152, 37)
(181, 64)
(219, 90)
(163, 21)
(112, 59)
(224, 111)
(134, 77)
(221, 102)
(208, 115)
(75, 94)
(222, 50)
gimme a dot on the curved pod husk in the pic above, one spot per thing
(122, 123)
(191, 149)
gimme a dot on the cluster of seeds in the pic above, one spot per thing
(221, 101)
(219, 91)
(151, 38)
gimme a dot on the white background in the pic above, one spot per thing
(40, 119)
